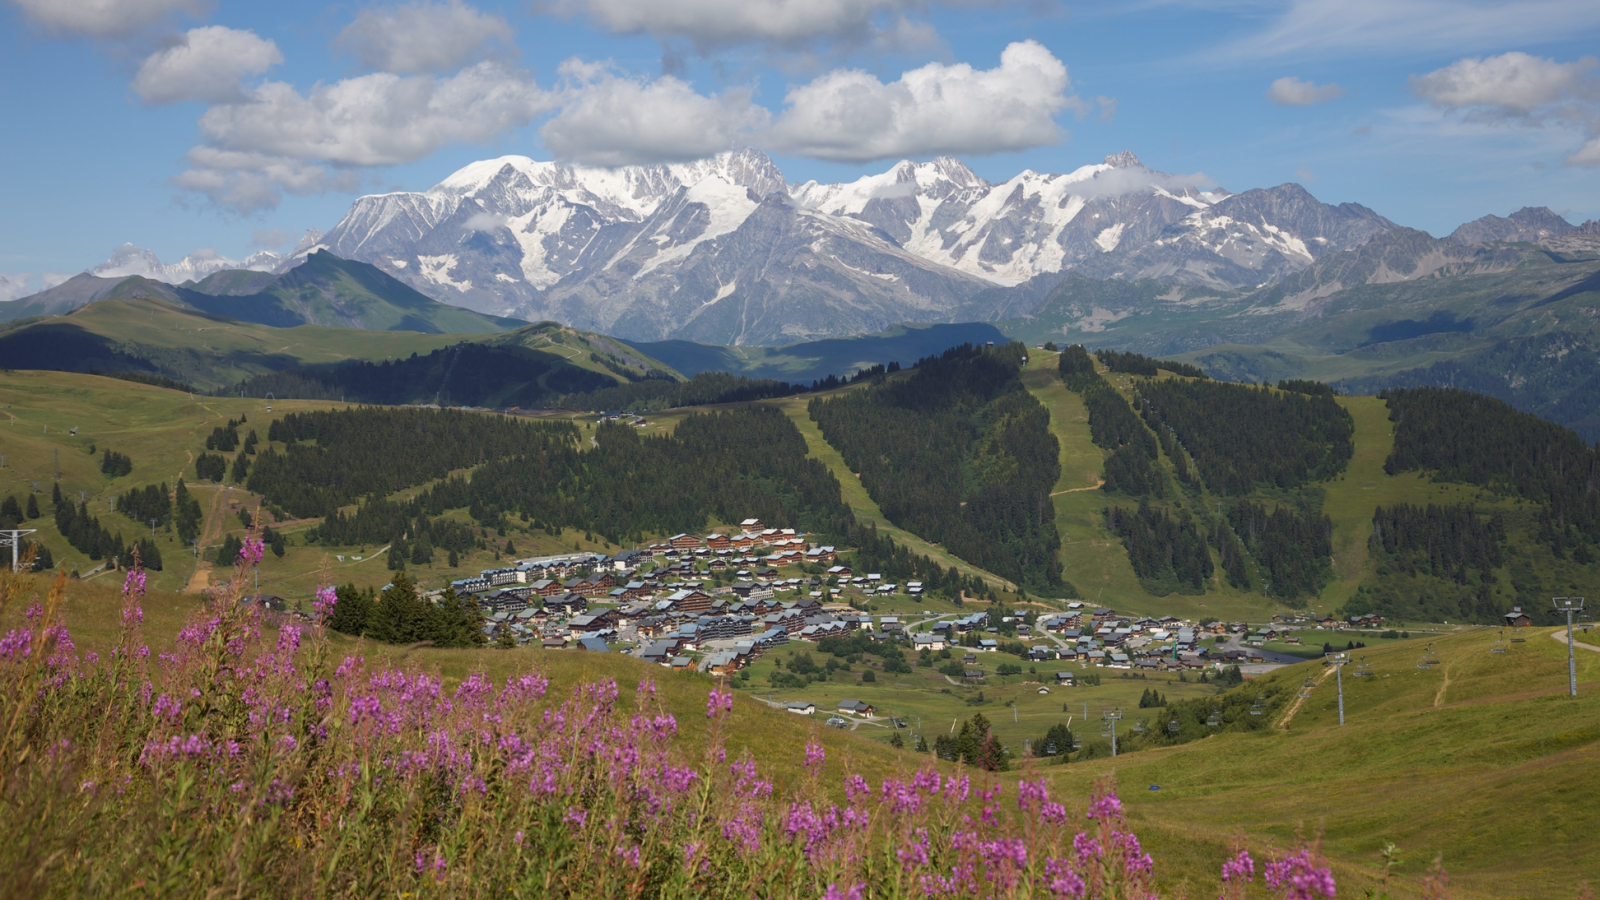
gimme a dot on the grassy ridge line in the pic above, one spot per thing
(860, 502)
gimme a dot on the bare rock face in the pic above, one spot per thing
(1532, 224)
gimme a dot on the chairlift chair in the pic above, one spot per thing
(1213, 720)
(1173, 726)
(1138, 727)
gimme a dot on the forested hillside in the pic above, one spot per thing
(721, 466)
(1220, 440)
(960, 454)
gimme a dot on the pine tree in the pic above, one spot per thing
(33, 506)
(55, 494)
(351, 609)
(896, 741)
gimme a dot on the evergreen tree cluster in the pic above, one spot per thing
(1076, 366)
(1151, 699)
(186, 513)
(146, 503)
(211, 467)
(12, 512)
(115, 464)
(1439, 541)
(1293, 549)
(1130, 363)
(1306, 386)
(401, 615)
(1168, 554)
(960, 454)
(1243, 437)
(1473, 439)
(1056, 742)
(974, 745)
(86, 535)
(372, 451)
(225, 438)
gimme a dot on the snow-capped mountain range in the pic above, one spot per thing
(724, 250)
(131, 259)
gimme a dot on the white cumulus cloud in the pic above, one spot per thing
(277, 139)
(611, 120)
(713, 23)
(1521, 89)
(1514, 83)
(104, 18)
(1291, 91)
(851, 116)
(379, 119)
(424, 37)
(206, 64)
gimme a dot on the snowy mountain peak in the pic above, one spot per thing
(1124, 160)
(130, 259)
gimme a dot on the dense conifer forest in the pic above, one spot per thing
(1243, 438)
(467, 374)
(1168, 554)
(1439, 541)
(336, 457)
(1473, 439)
(1294, 549)
(726, 466)
(960, 454)
(1130, 363)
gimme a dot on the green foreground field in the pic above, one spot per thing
(1482, 759)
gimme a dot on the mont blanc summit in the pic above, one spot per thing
(724, 250)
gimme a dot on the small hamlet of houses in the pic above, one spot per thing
(668, 603)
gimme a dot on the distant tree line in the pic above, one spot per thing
(466, 374)
(1130, 363)
(961, 455)
(1243, 438)
(1168, 554)
(1304, 386)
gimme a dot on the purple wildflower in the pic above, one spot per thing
(1299, 877)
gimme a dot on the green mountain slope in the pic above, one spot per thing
(155, 336)
(324, 290)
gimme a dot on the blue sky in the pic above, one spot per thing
(182, 124)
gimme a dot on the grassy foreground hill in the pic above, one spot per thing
(1480, 760)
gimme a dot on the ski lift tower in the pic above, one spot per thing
(1338, 661)
(1569, 605)
(1110, 718)
(13, 538)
